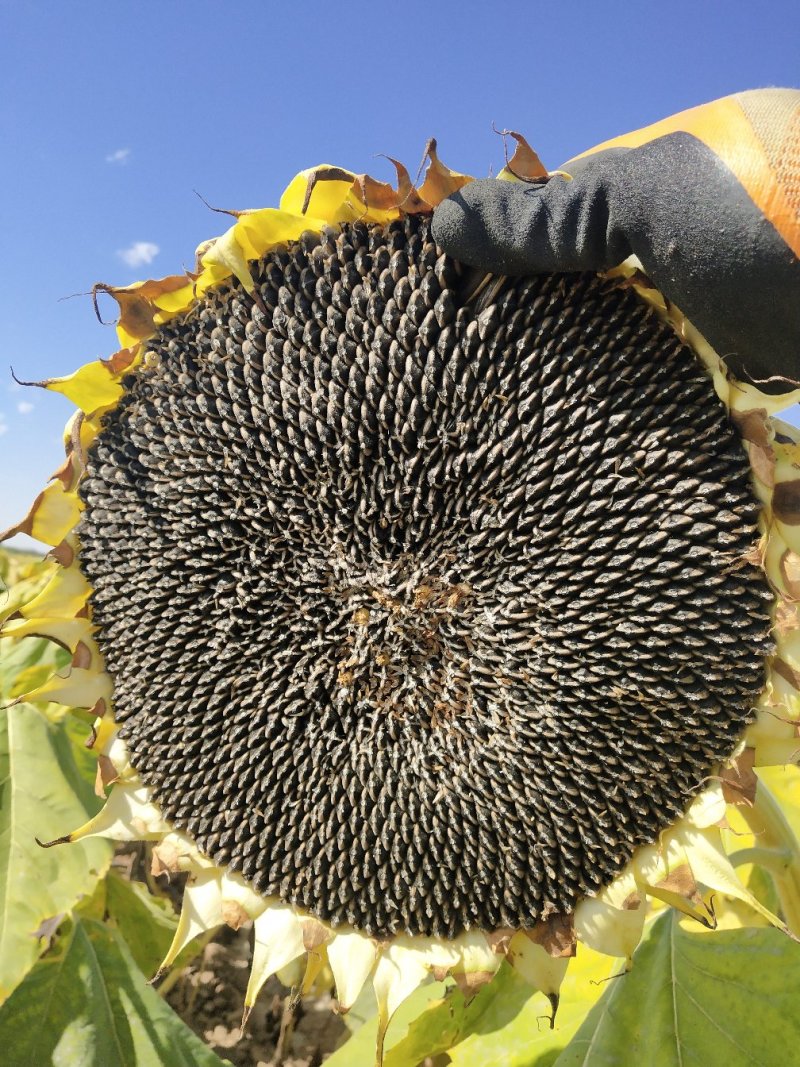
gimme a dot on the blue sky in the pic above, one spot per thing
(112, 114)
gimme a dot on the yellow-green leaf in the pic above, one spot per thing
(87, 1005)
(506, 1024)
(22, 574)
(45, 791)
(725, 998)
(24, 665)
(147, 924)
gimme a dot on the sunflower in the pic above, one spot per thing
(428, 619)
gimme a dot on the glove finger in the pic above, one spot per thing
(517, 228)
(489, 224)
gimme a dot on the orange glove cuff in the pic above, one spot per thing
(757, 135)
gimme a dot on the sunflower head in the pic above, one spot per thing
(423, 614)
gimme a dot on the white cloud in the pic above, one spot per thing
(139, 253)
(120, 156)
(24, 407)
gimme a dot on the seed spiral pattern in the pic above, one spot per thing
(421, 617)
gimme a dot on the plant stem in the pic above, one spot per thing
(778, 846)
(771, 859)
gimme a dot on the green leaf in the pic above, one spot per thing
(45, 792)
(726, 997)
(88, 1005)
(147, 924)
(505, 1025)
(26, 664)
(359, 1050)
(498, 1038)
(16, 564)
(22, 576)
(784, 784)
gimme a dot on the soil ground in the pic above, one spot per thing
(209, 996)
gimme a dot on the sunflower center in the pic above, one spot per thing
(405, 643)
(420, 616)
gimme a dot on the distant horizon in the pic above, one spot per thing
(117, 123)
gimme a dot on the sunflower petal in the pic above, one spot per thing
(129, 814)
(710, 866)
(68, 633)
(541, 970)
(78, 689)
(278, 939)
(91, 387)
(352, 958)
(614, 931)
(399, 972)
(201, 911)
(53, 514)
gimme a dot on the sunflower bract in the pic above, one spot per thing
(423, 616)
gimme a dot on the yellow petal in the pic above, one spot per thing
(79, 689)
(63, 597)
(139, 310)
(652, 863)
(774, 738)
(398, 973)
(439, 957)
(710, 866)
(173, 301)
(88, 656)
(537, 966)
(709, 808)
(292, 974)
(54, 513)
(278, 939)
(176, 852)
(478, 960)
(68, 633)
(201, 911)
(90, 387)
(315, 961)
(782, 565)
(259, 230)
(239, 901)
(609, 930)
(114, 748)
(351, 956)
(612, 923)
(224, 257)
(129, 814)
(679, 890)
(745, 397)
(79, 433)
(327, 198)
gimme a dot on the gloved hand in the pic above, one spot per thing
(709, 201)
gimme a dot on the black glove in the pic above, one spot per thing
(709, 202)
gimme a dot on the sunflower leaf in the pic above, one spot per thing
(27, 664)
(505, 1025)
(359, 1050)
(87, 1005)
(22, 575)
(693, 997)
(45, 791)
(784, 784)
(147, 924)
